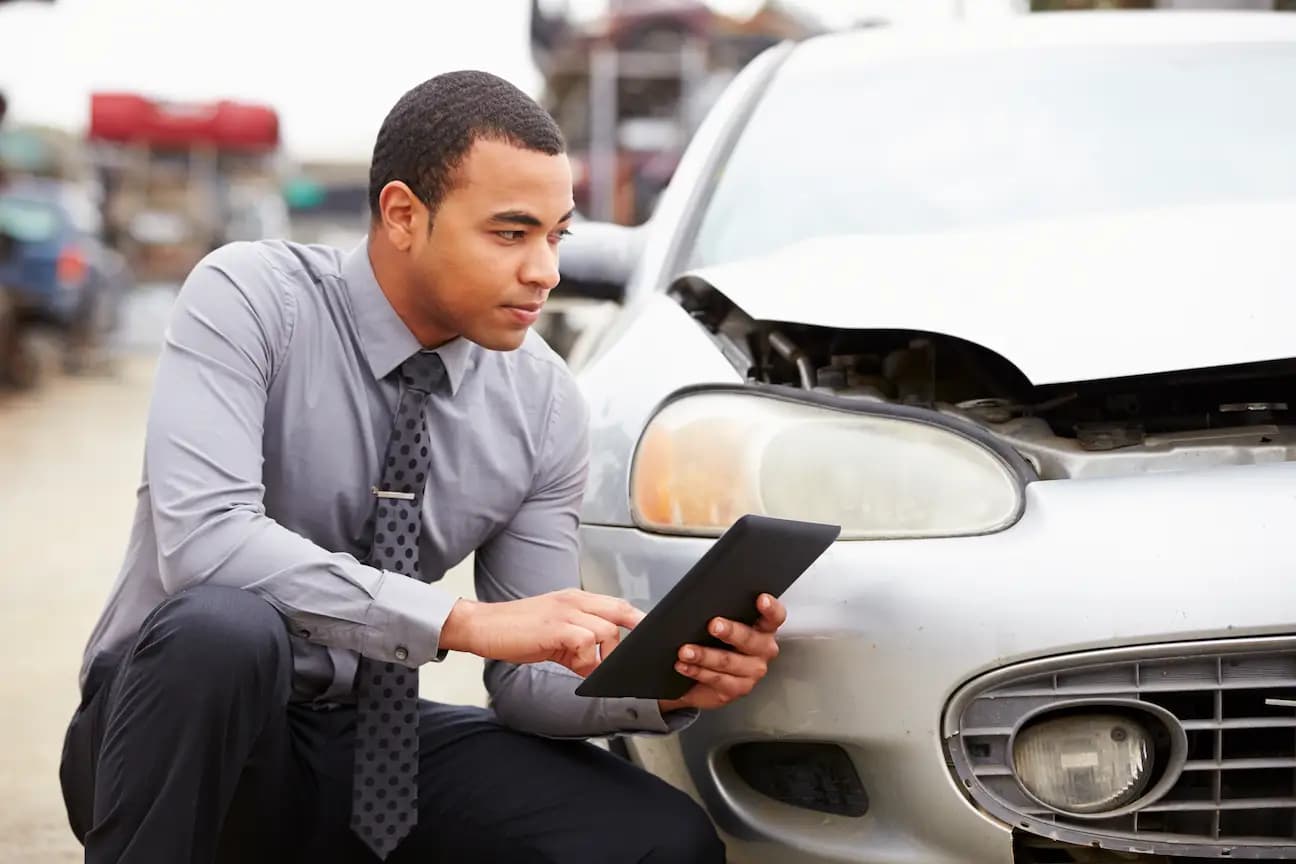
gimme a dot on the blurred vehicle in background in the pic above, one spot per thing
(17, 364)
(17, 368)
(1012, 303)
(14, 367)
(57, 271)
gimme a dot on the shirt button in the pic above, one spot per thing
(401, 653)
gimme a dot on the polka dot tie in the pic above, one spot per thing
(384, 798)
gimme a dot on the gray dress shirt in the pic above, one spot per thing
(269, 421)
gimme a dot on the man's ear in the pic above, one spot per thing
(402, 216)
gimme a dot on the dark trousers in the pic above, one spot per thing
(187, 749)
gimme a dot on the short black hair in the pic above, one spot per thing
(430, 130)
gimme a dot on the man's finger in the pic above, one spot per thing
(773, 614)
(728, 687)
(606, 634)
(579, 649)
(744, 638)
(613, 609)
(729, 662)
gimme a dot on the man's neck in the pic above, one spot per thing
(399, 291)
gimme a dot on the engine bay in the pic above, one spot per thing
(1167, 421)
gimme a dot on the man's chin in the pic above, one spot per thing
(500, 340)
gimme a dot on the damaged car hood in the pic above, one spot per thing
(1069, 300)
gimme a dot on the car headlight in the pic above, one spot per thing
(1084, 763)
(709, 458)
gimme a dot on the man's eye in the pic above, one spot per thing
(511, 236)
(561, 235)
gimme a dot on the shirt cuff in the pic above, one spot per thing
(643, 717)
(405, 621)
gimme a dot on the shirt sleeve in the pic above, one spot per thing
(538, 552)
(227, 337)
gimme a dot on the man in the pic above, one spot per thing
(323, 427)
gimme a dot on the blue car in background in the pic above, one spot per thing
(55, 270)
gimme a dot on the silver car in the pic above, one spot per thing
(1014, 304)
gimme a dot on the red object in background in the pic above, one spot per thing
(71, 267)
(130, 118)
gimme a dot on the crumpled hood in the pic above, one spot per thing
(1070, 300)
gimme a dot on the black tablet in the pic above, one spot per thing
(757, 555)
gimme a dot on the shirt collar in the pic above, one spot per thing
(386, 341)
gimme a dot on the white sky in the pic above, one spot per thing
(331, 69)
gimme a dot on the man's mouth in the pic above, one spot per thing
(525, 313)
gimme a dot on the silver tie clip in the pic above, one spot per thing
(1281, 703)
(385, 493)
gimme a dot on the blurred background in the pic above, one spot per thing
(138, 135)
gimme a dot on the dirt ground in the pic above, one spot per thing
(69, 465)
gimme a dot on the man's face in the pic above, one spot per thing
(488, 263)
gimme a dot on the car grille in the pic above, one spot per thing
(1236, 791)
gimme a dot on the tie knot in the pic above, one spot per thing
(422, 371)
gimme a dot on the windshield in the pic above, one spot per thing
(940, 144)
(27, 221)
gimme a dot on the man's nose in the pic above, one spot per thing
(540, 269)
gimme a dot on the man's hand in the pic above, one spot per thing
(571, 627)
(724, 675)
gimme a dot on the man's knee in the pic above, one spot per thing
(684, 832)
(217, 635)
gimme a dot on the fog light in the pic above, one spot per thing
(1082, 763)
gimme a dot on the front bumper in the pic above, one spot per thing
(881, 634)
